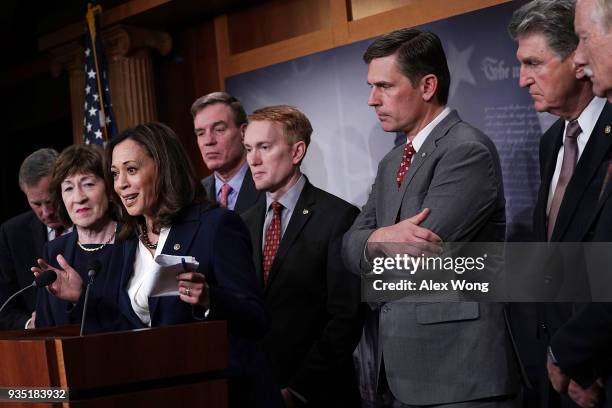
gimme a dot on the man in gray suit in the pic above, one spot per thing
(219, 121)
(447, 178)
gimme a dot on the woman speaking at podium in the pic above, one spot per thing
(165, 211)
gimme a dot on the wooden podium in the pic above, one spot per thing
(159, 367)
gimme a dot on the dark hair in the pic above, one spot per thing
(295, 124)
(77, 159)
(554, 19)
(37, 166)
(419, 53)
(240, 116)
(176, 186)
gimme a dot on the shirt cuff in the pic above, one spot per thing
(27, 323)
(551, 356)
(297, 395)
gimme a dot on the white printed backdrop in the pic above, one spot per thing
(330, 88)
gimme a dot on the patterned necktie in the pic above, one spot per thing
(405, 164)
(570, 157)
(226, 189)
(273, 237)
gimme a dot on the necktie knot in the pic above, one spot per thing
(226, 189)
(573, 130)
(276, 207)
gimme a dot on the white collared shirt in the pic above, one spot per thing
(420, 137)
(587, 121)
(140, 284)
(288, 201)
(235, 183)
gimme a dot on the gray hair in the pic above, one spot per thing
(240, 115)
(37, 166)
(603, 13)
(552, 18)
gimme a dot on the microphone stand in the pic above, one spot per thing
(15, 294)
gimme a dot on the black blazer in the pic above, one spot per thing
(21, 243)
(582, 346)
(534, 324)
(312, 299)
(584, 188)
(248, 195)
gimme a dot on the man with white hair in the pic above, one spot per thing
(593, 25)
(581, 347)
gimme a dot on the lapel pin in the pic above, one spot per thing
(177, 247)
(424, 154)
(305, 211)
(608, 129)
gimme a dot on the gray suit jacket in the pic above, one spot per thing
(436, 352)
(248, 195)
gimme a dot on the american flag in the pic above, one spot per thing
(99, 121)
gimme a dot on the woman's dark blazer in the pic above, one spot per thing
(102, 303)
(220, 242)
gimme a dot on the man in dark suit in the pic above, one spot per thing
(313, 300)
(581, 347)
(574, 153)
(432, 353)
(22, 239)
(219, 121)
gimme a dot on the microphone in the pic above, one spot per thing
(45, 278)
(93, 268)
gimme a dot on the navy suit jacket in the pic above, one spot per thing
(218, 239)
(248, 195)
(21, 243)
(313, 300)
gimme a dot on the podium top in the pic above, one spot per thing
(59, 357)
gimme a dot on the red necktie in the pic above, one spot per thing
(226, 189)
(405, 164)
(273, 237)
(570, 157)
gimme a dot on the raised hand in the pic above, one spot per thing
(68, 285)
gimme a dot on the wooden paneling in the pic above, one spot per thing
(260, 48)
(275, 21)
(190, 72)
(366, 8)
(420, 12)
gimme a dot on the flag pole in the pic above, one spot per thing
(91, 22)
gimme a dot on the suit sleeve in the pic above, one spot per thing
(44, 315)
(355, 239)
(235, 295)
(343, 330)
(463, 192)
(582, 345)
(15, 315)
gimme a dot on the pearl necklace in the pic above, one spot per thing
(84, 248)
